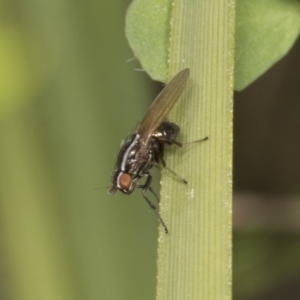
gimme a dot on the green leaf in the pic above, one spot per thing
(265, 31)
(147, 31)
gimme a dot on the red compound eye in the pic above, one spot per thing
(125, 181)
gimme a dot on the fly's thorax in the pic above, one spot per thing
(128, 153)
(136, 156)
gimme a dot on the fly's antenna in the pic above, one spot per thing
(101, 188)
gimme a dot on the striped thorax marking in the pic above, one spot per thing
(127, 152)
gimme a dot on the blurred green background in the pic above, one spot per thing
(68, 96)
(67, 99)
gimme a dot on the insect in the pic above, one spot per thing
(145, 148)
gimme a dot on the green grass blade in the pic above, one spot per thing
(194, 260)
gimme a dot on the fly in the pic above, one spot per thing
(145, 148)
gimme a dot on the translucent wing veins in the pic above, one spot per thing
(162, 105)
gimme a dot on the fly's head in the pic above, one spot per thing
(127, 167)
(121, 181)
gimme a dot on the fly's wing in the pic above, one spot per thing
(162, 105)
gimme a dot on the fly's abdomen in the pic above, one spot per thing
(168, 131)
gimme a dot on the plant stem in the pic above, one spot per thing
(194, 259)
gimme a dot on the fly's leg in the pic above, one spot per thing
(147, 185)
(157, 213)
(160, 154)
(197, 141)
(144, 188)
(153, 192)
(182, 144)
(172, 142)
(176, 175)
